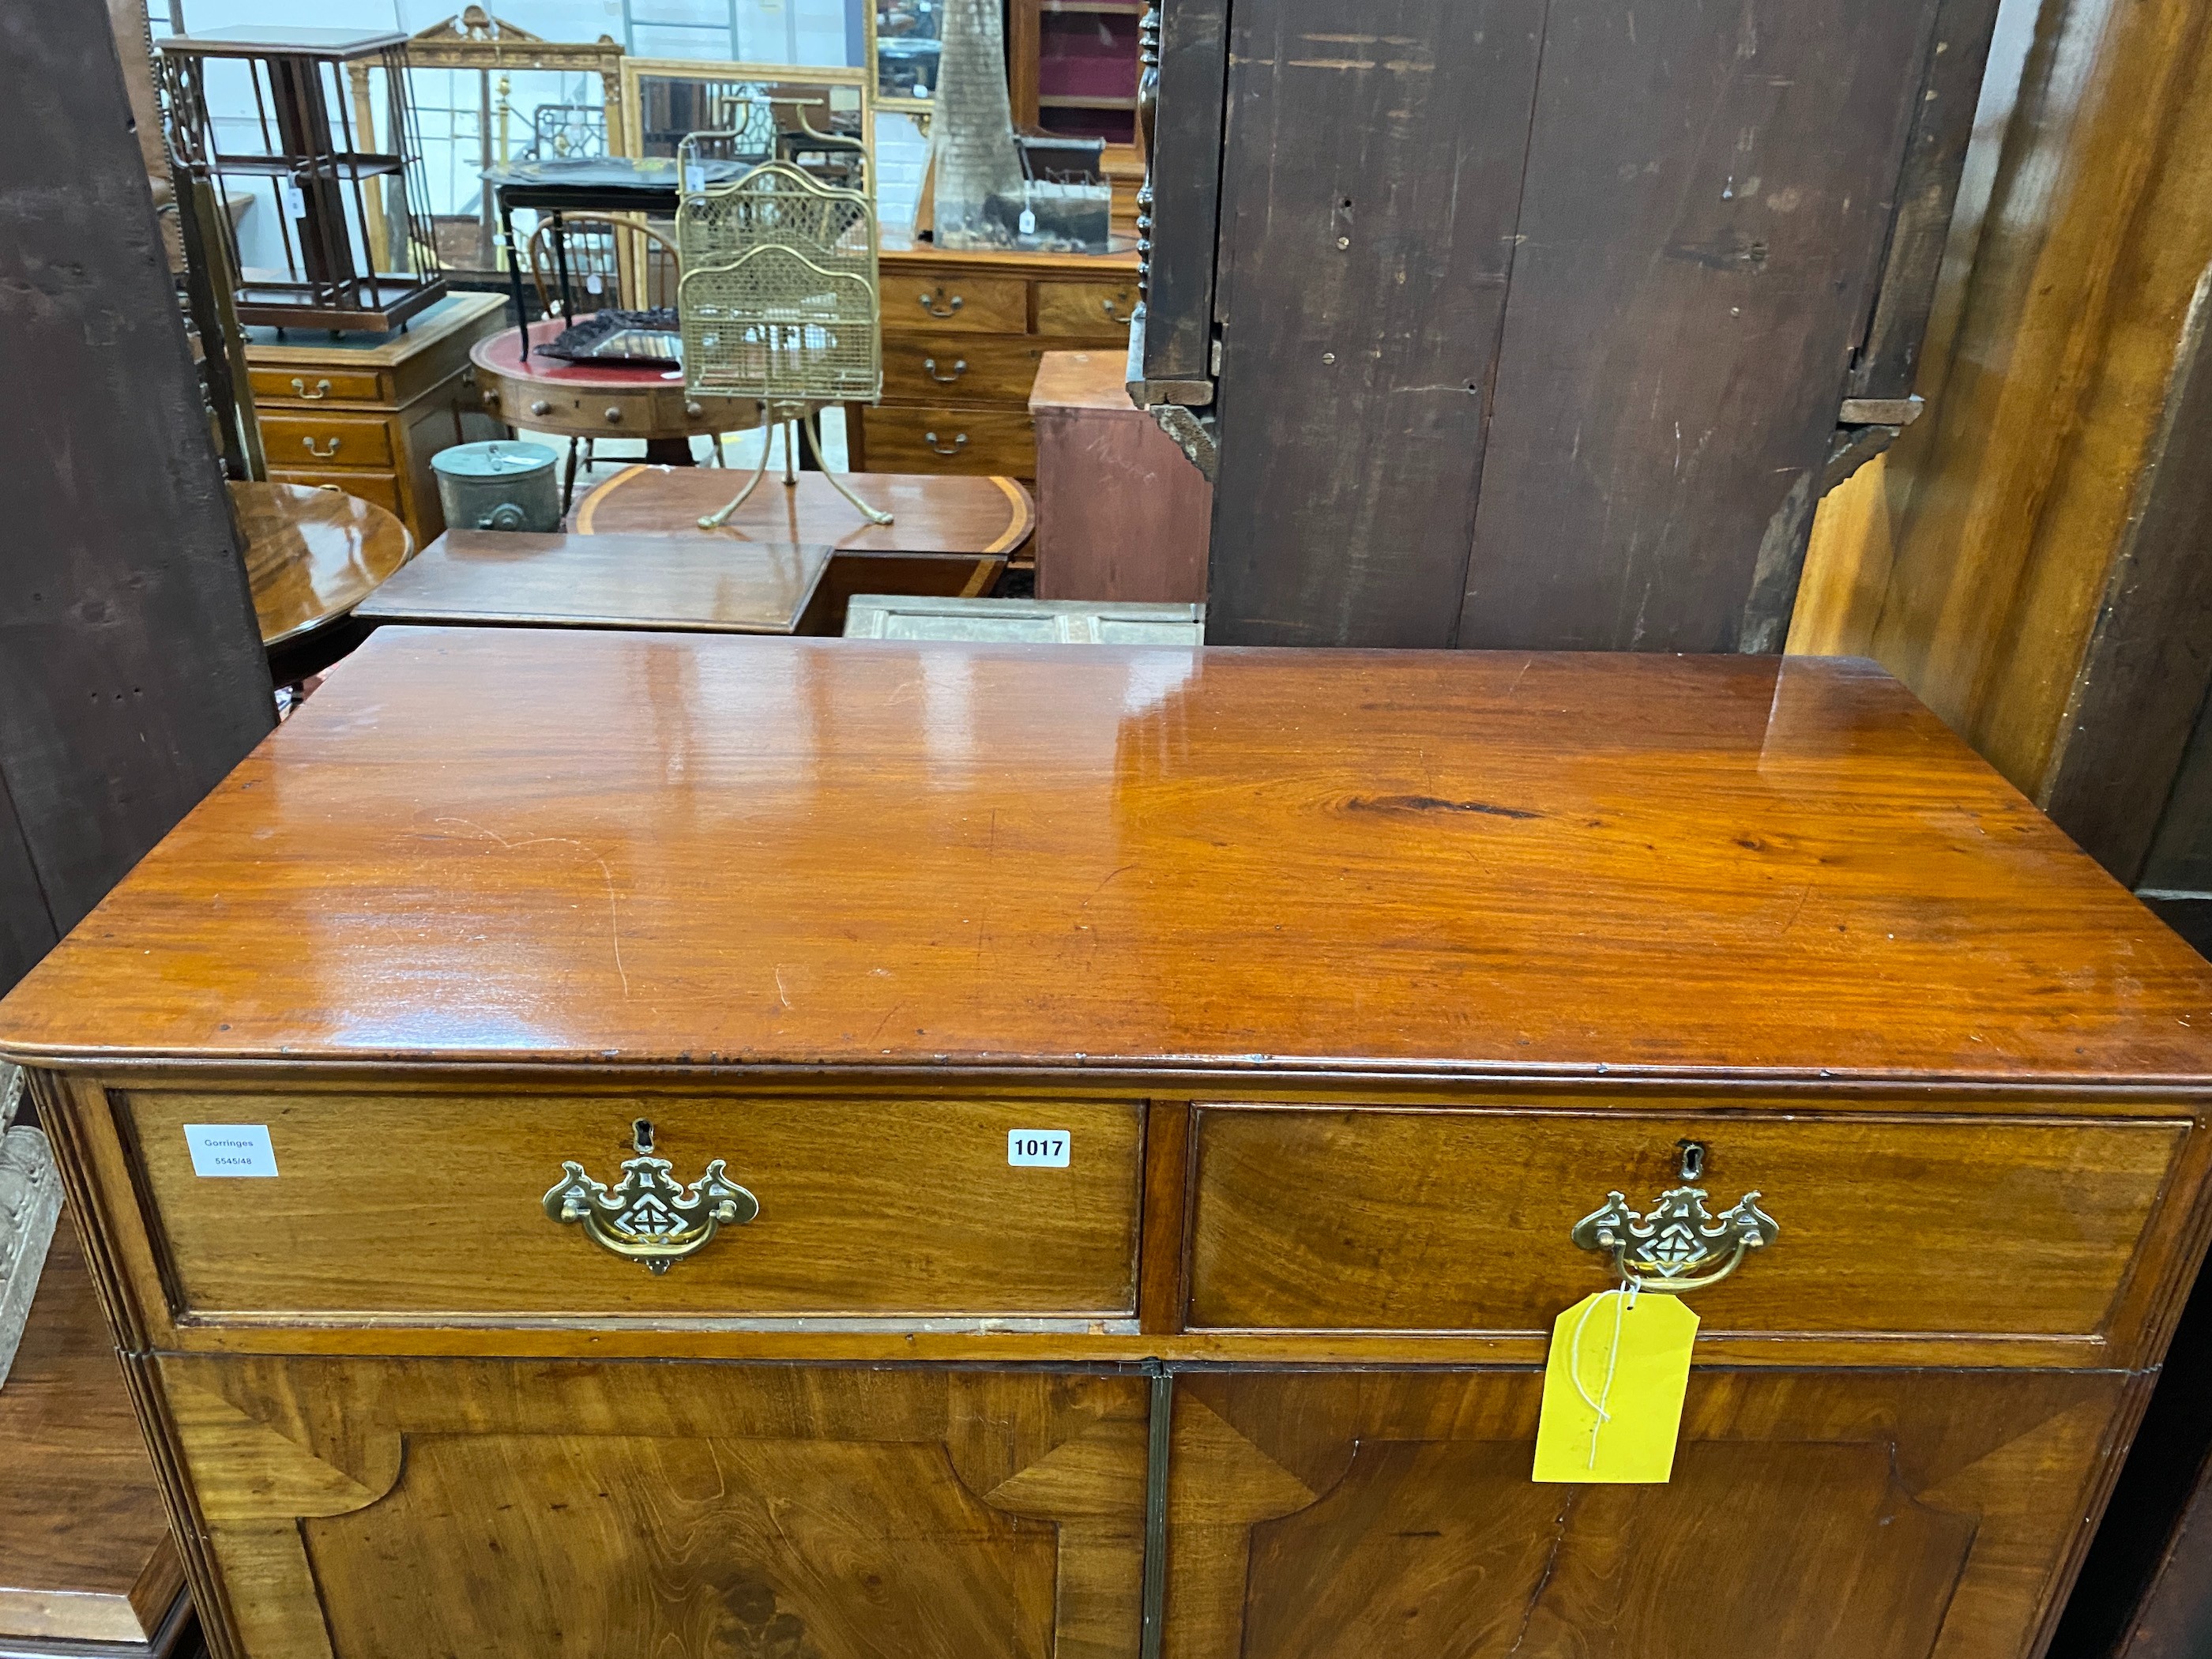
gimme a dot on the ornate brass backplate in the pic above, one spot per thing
(650, 1216)
(1676, 1246)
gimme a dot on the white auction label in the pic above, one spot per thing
(230, 1149)
(1037, 1148)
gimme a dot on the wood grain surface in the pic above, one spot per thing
(131, 671)
(1123, 514)
(709, 585)
(1910, 1515)
(872, 1208)
(929, 514)
(1360, 288)
(313, 554)
(1439, 863)
(385, 1511)
(2022, 552)
(84, 1541)
(1681, 325)
(1440, 1220)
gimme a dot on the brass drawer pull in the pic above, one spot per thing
(959, 443)
(960, 367)
(1111, 315)
(650, 1216)
(299, 390)
(1674, 1248)
(929, 303)
(322, 454)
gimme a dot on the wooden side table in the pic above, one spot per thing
(312, 554)
(601, 400)
(949, 537)
(1121, 513)
(365, 412)
(676, 583)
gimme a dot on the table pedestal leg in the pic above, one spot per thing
(668, 451)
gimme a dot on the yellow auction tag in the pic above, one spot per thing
(1613, 1387)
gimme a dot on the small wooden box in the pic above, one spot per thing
(1144, 1101)
(1121, 513)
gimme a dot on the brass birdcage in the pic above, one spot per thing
(779, 299)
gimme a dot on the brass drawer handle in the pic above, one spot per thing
(959, 443)
(299, 390)
(650, 1218)
(1111, 315)
(322, 454)
(1674, 1248)
(960, 367)
(929, 304)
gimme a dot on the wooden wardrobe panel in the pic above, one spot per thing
(132, 673)
(1371, 178)
(1708, 196)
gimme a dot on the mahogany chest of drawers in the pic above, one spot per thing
(963, 334)
(568, 1183)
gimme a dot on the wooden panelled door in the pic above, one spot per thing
(1879, 1514)
(429, 1508)
(412, 1509)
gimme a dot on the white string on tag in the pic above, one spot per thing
(1623, 1300)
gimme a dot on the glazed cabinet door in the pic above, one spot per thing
(1880, 1515)
(409, 1509)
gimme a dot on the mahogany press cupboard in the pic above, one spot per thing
(622, 1144)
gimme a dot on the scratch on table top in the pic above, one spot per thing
(614, 909)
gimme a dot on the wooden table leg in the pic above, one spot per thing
(668, 451)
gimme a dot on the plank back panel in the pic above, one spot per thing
(1370, 177)
(1707, 200)
(132, 674)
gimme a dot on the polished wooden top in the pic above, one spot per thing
(704, 584)
(929, 514)
(500, 353)
(598, 849)
(85, 1554)
(312, 555)
(302, 348)
(898, 250)
(1071, 380)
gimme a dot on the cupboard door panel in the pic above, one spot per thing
(399, 1509)
(1312, 1515)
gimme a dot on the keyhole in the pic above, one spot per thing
(1694, 1159)
(640, 1133)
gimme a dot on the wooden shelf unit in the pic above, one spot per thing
(1050, 87)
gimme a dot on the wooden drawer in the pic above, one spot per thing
(1094, 309)
(935, 300)
(331, 440)
(380, 487)
(905, 438)
(314, 385)
(417, 1207)
(1450, 1220)
(953, 368)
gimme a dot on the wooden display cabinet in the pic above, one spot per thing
(1154, 1256)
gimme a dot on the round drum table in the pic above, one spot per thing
(596, 400)
(312, 554)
